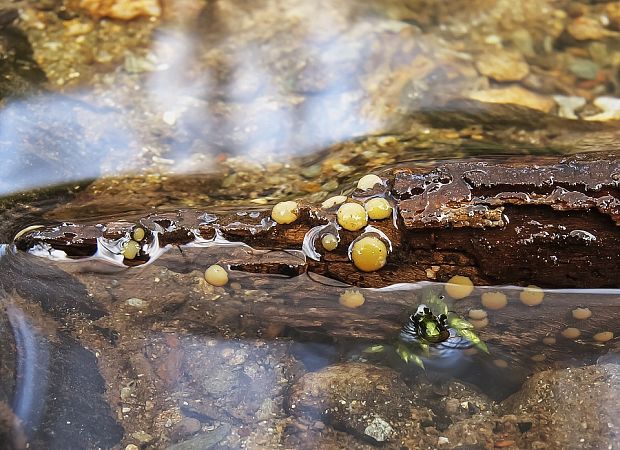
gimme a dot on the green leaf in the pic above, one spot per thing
(408, 356)
(459, 324)
(474, 339)
(374, 349)
(425, 348)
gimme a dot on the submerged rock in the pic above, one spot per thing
(370, 402)
(122, 9)
(573, 407)
(515, 95)
(503, 66)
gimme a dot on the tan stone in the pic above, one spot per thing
(515, 95)
(503, 66)
(587, 28)
(122, 9)
(613, 13)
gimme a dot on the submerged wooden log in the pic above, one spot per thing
(546, 221)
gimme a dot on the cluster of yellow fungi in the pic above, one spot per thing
(132, 247)
(368, 253)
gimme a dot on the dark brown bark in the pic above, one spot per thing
(546, 221)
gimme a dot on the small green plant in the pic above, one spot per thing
(432, 326)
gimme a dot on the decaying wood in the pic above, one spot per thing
(546, 221)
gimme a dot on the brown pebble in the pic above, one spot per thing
(186, 427)
(504, 443)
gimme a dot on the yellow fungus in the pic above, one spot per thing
(351, 298)
(479, 324)
(285, 212)
(333, 201)
(352, 216)
(329, 242)
(131, 250)
(138, 234)
(369, 253)
(459, 287)
(538, 358)
(603, 336)
(571, 333)
(216, 275)
(502, 364)
(477, 314)
(378, 208)
(549, 340)
(531, 295)
(26, 230)
(368, 182)
(581, 313)
(494, 300)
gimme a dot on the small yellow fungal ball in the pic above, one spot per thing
(131, 250)
(571, 333)
(351, 298)
(378, 208)
(531, 295)
(603, 336)
(549, 340)
(333, 201)
(581, 313)
(494, 300)
(352, 216)
(216, 275)
(538, 358)
(459, 287)
(477, 314)
(368, 182)
(138, 234)
(479, 324)
(502, 364)
(329, 242)
(285, 212)
(369, 253)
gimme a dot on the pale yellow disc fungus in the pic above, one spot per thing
(352, 216)
(26, 230)
(502, 364)
(138, 234)
(329, 242)
(531, 295)
(549, 340)
(351, 298)
(581, 313)
(378, 208)
(333, 201)
(216, 275)
(459, 287)
(369, 253)
(603, 336)
(285, 212)
(494, 300)
(477, 314)
(538, 358)
(368, 182)
(479, 324)
(571, 333)
(131, 250)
